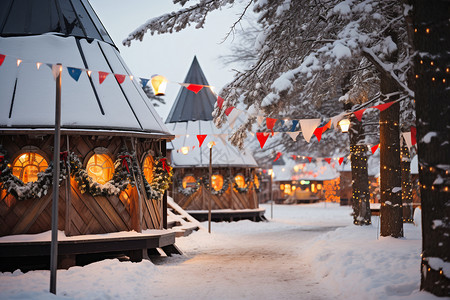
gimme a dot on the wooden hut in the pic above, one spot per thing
(112, 140)
(235, 184)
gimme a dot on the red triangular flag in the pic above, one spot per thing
(262, 138)
(102, 76)
(120, 78)
(2, 58)
(358, 114)
(318, 133)
(195, 87)
(270, 123)
(341, 159)
(328, 125)
(201, 138)
(294, 157)
(220, 102)
(374, 148)
(309, 158)
(278, 156)
(383, 106)
(328, 160)
(413, 135)
(229, 110)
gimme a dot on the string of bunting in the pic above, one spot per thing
(308, 127)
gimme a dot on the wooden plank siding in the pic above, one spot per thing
(87, 214)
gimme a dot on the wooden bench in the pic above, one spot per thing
(73, 251)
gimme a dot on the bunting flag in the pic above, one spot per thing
(294, 125)
(144, 81)
(201, 138)
(383, 106)
(318, 133)
(341, 159)
(308, 126)
(262, 138)
(359, 113)
(294, 157)
(56, 70)
(407, 137)
(2, 58)
(19, 61)
(374, 148)
(194, 87)
(120, 78)
(74, 73)
(229, 110)
(38, 65)
(220, 102)
(102, 76)
(259, 119)
(270, 123)
(413, 135)
(293, 135)
(277, 157)
(327, 126)
(328, 160)
(309, 158)
(336, 119)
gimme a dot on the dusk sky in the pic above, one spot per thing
(170, 54)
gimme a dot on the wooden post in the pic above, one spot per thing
(210, 186)
(68, 190)
(55, 195)
(139, 184)
(164, 200)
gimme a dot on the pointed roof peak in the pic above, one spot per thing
(190, 106)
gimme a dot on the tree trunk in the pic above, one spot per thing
(406, 185)
(391, 213)
(360, 177)
(432, 94)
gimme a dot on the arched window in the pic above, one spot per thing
(240, 181)
(100, 168)
(28, 165)
(147, 168)
(217, 181)
(189, 181)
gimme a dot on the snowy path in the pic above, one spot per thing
(253, 265)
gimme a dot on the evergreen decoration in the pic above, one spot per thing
(162, 177)
(257, 188)
(244, 189)
(21, 190)
(189, 190)
(205, 181)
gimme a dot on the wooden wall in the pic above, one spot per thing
(81, 213)
(230, 199)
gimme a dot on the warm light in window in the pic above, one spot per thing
(147, 168)
(100, 168)
(240, 181)
(287, 188)
(28, 165)
(294, 187)
(319, 186)
(282, 187)
(313, 187)
(256, 181)
(217, 181)
(189, 182)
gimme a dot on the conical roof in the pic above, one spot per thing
(27, 93)
(68, 17)
(189, 106)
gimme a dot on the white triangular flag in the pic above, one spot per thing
(259, 119)
(407, 137)
(293, 134)
(56, 69)
(234, 114)
(308, 126)
(336, 119)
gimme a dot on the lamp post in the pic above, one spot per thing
(271, 193)
(159, 84)
(210, 146)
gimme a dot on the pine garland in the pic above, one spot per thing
(162, 177)
(189, 190)
(244, 189)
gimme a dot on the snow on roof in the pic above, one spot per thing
(305, 171)
(223, 153)
(28, 94)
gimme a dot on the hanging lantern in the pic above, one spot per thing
(159, 84)
(344, 124)
(211, 144)
(184, 150)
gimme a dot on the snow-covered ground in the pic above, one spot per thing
(304, 252)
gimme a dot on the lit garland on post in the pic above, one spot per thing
(360, 194)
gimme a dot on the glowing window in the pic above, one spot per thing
(28, 165)
(282, 187)
(240, 181)
(189, 181)
(100, 168)
(287, 188)
(147, 168)
(256, 181)
(217, 181)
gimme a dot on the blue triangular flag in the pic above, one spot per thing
(74, 73)
(144, 82)
(294, 124)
